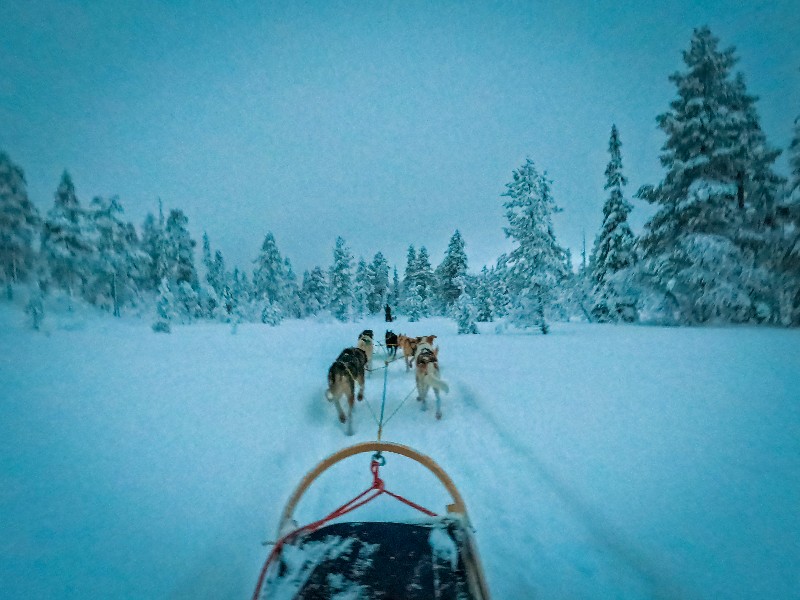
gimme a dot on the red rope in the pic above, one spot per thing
(378, 486)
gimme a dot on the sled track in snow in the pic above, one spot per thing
(601, 531)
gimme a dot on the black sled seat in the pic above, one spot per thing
(426, 559)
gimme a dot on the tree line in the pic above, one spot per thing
(722, 246)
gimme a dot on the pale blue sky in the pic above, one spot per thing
(388, 123)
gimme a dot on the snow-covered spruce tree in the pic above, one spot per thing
(243, 297)
(426, 282)
(292, 304)
(215, 267)
(378, 277)
(35, 308)
(613, 248)
(269, 274)
(394, 295)
(703, 248)
(154, 246)
(65, 248)
(537, 264)
(179, 250)
(484, 305)
(314, 291)
(187, 302)
(116, 257)
(787, 249)
(465, 311)
(19, 224)
(409, 279)
(341, 281)
(216, 296)
(361, 289)
(271, 313)
(501, 295)
(165, 308)
(413, 306)
(453, 266)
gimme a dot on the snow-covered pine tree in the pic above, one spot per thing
(718, 179)
(426, 282)
(154, 246)
(614, 246)
(242, 296)
(409, 278)
(787, 248)
(537, 264)
(501, 295)
(465, 311)
(414, 307)
(19, 224)
(115, 259)
(165, 308)
(314, 291)
(378, 277)
(271, 313)
(394, 296)
(65, 248)
(361, 288)
(451, 268)
(187, 302)
(35, 307)
(341, 281)
(484, 305)
(269, 274)
(292, 304)
(179, 250)
(215, 267)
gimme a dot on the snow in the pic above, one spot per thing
(597, 461)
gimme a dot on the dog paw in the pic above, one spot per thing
(342, 419)
(438, 415)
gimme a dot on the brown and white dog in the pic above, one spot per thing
(366, 343)
(427, 374)
(409, 346)
(343, 374)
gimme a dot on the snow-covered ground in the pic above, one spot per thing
(596, 462)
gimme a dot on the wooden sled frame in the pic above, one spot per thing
(476, 576)
(457, 506)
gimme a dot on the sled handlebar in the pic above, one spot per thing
(457, 506)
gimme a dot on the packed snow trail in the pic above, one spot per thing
(516, 506)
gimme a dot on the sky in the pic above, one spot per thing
(386, 123)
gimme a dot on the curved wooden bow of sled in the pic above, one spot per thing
(457, 506)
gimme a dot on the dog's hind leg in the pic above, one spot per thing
(350, 401)
(422, 393)
(339, 410)
(360, 387)
(438, 403)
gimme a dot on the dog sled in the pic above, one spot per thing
(433, 557)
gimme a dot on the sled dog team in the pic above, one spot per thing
(352, 364)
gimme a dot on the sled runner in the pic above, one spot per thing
(434, 557)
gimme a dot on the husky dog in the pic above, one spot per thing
(427, 375)
(391, 344)
(345, 371)
(365, 342)
(409, 346)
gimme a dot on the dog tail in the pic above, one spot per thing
(437, 382)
